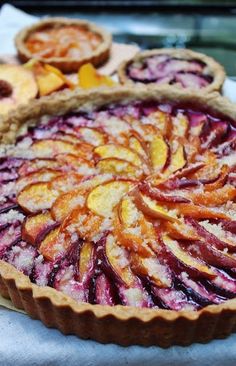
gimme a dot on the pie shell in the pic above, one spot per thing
(65, 64)
(123, 325)
(214, 68)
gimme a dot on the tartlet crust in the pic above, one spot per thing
(118, 324)
(214, 68)
(65, 64)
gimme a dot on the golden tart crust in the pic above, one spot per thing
(124, 325)
(212, 68)
(67, 64)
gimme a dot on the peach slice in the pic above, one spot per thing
(47, 79)
(102, 199)
(199, 212)
(92, 136)
(152, 268)
(74, 162)
(65, 182)
(159, 153)
(119, 152)
(151, 208)
(49, 148)
(118, 259)
(215, 198)
(220, 180)
(31, 166)
(17, 87)
(177, 162)
(36, 197)
(90, 78)
(119, 167)
(179, 230)
(54, 244)
(186, 259)
(66, 202)
(180, 125)
(162, 121)
(132, 229)
(84, 223)
(42, 175)
(85, 260)
(137, 143)
(36, 227)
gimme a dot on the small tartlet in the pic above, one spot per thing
(124, 325)
(210, 73)
(67, 64)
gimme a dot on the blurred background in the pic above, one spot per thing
(207, 26)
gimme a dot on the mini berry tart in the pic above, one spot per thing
(64, 43)
(179, 67)
(118, 214)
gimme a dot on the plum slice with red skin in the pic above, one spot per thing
(103, 291)
(197, 291)
(9, 236)
(212, 255)
(10, 163)
(22, 257)
(191, 80)
(210, 238)
(174, 299)
(157, 195)
(213, 133)
(8, 176)
(129, 287)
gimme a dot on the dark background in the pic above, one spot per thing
(207, 26)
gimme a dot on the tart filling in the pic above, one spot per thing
(182, 68)
(130, 204)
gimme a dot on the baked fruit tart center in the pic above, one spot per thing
(63, 41)
(130, 204)
(168, 69)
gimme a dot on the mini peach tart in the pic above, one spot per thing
(177, 67)
(64, 43)
(117, 211)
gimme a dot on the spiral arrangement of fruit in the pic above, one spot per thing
(128, 204)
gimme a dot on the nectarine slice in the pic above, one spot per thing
(119, 152)
(65, 182)
(177, 161)
(54, 244)
(31, 166)
(186, 259)
(152, 268)
(85, 260)
(118, 259)
(119, 167)
(92, 136)
(42, 175)
(49, 148)
(151, 208)
(36, 227)
(180, 125)
(159, 153)
(36, 197)
(102, 199)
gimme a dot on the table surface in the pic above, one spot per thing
(27, 342)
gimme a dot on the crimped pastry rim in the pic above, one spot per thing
(215, 69)
(71, 101)
(98, 56)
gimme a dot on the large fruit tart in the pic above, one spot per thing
(118, 214)
(63, 42)
(181, 68)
